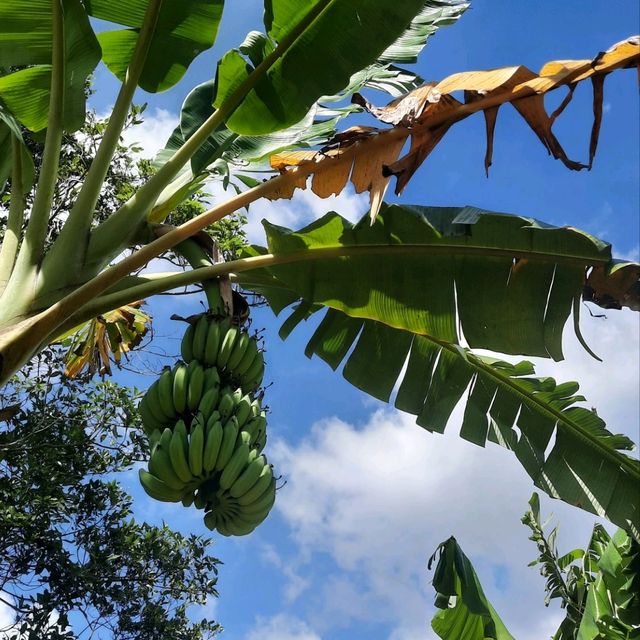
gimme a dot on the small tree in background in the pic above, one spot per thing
(71, 551)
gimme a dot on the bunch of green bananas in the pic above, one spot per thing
(227, 347)
(207, 430)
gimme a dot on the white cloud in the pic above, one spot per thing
(378, 498)
(296, 584)
(612, 385)
(282, 627)
(153, 133)
(8, 627)
(6, 619)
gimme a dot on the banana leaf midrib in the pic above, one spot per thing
(338, 251)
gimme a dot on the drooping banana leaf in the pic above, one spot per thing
(383, 74)
(423, 116)
(350, 33)
(91, 346)
(398, 289)
(183, 30)
(26, 40)
(471, 616)
(314, 128)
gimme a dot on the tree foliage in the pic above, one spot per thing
(75, 562)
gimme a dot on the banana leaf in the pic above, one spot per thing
(315, 127)
(183, 30)
(26, 40)
(350, 33)
(406, 289)
(471, 616)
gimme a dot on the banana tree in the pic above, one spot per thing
(275, 101)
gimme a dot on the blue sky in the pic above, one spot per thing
(369, 495)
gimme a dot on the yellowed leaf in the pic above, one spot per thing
(281, 161)
(111, 335)
(425, 115)
(334, 176)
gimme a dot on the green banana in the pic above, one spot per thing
(154, 439)
(153, 402)
(165, 438)
(149, 421)
(181, 428)
(199, 501)
(226, 405)
(226, 347)
(261, 441)
(211, 378)
(229, 435)
(180, 377)
(243, 409)
(243, 438)
(256, 409)
(235, 466)
(214, 417)
(253, 377)
(251, 352)
(178, 458)
(238, 527)
(196, 449)
(260, 486)
(194, 389)
(198, 419)
(165, 392)
(160, 466)
(212, 446)
(157, 489)
(209, 401)
(239, 349)
(263, 504)
(221, 526)
(212, 343)
(210, 520)
(186, 346)
(255, 427)
(248, 477)
(200, 337)
(188, 498)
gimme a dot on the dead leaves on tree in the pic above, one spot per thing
(369, 156)
(115, 333)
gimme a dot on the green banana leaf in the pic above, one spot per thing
(183, 30)
(425, 265)
(350, 33)
(472, 617)
(318, 125)
(612, 607)
(433, 15)
(26, 38)
(397, 291)
(243, 150)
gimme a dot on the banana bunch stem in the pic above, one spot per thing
(197, 257)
